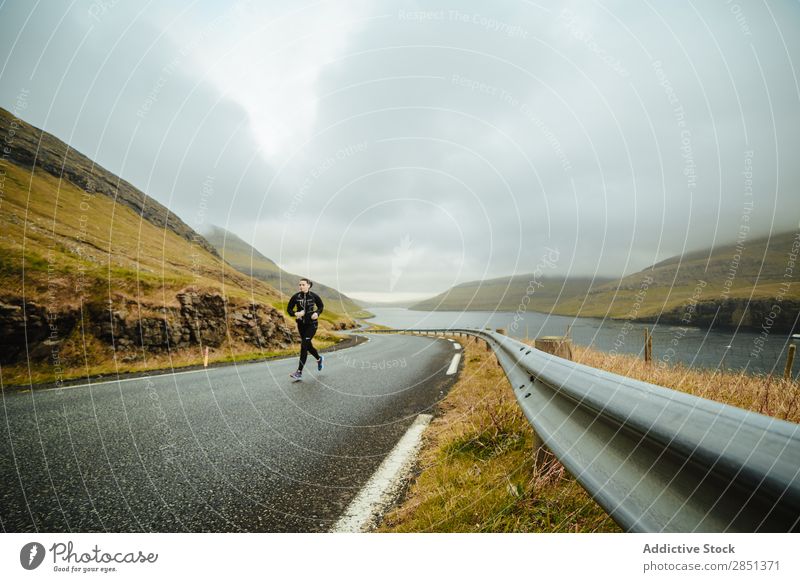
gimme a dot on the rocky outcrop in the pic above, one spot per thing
(197, 318)
(31, 331)
(201, 318)
(754, 314)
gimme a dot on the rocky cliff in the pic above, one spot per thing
(735, 313)
(195, 318)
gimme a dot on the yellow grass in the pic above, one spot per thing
(376, 326)
(763, 394)
(478, 471)
(86, 356)
(80, 248)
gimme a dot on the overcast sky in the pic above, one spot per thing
(394, 149)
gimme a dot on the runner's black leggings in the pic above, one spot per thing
(307, 331)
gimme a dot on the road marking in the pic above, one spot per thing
(456, 346)
(101, 382)
(379, 492)
(454, 364)
(164, 375)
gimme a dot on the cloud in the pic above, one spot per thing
(482, 132)
(268, 57)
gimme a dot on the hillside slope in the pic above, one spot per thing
(732, 285)
(536, 293)
(30, 145)
(249, 261)
(751, 284)
(87, 282)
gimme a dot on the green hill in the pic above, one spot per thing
(508, 293)
(732, 285)
(96, 275)
(249, 261)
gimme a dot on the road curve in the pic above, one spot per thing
(231, 449)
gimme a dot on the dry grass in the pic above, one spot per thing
(78, 248)
(763, 394)
(479, 473)
(65, 249)
(375, 326)
(85, 356)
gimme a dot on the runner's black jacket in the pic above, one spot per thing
(309, 302)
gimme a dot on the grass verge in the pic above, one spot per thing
(102, 362)
(768, 395)
(478, 472)
(477, 469)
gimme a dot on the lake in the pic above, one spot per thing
(741, 350)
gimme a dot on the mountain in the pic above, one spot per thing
(95, 273)
(748, 284)
(734, 285)
(402, 304)
(51, 155)
(249, 261)
(535, 292)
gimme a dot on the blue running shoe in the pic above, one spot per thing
(296, 376)
(319, 362)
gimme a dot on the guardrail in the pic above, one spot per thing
(655, 459)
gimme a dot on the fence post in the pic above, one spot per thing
(648, 346)
(556, 345)
(787, 371)
(540, 452)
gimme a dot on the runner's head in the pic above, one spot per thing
(305, 285)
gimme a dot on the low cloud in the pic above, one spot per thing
(618, 134)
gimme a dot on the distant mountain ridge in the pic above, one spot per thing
(734, 285)
(248, 260)
(507, 293)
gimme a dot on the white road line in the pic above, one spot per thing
(456, 346)
(379, 492)
(140, 378)
(454, 364)
(164, 375)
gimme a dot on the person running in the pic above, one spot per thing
(306, 306)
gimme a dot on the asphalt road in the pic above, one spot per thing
(237, 448)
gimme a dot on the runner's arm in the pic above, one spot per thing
(320, 304)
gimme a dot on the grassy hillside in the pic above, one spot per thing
(28, 146)
(732, 285)
(507, 293)
(92, 284)
(754, 270)
(73, 246)
(249, 261)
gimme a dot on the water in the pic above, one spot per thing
(699, 348)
